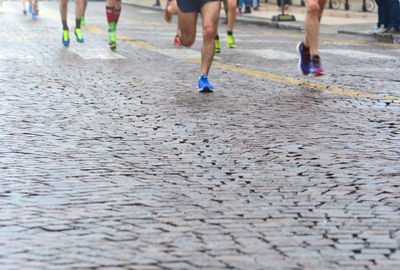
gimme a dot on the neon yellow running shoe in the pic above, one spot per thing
(217, 46)
(65, 38)
(78, 35)
(112, 42)
(83, 22)
(231, 41)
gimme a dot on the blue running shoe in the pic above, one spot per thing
(316, 69)
(305, 59)
(30, 9)
(204, 84)
(34, 16)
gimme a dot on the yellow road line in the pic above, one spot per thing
(135, 43)
(299, 83)
(330, 40)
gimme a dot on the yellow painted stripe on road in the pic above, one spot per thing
(299, 83)
(330, 40)
(140, 44)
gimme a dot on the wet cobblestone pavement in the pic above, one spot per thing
(114, 161)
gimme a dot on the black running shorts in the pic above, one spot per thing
(192, 5)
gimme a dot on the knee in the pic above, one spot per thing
(209, 32)
(187, 41)
(232, 5)
(313, 8)
(64, 2)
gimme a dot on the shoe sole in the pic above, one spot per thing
(205, 90)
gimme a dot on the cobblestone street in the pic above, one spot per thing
(115, 161)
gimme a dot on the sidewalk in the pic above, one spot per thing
(333, 21)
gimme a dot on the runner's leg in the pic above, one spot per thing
(23, 6)
(310, 62)
(78, 16)
(315, 9)
(63, 13)
(232, 12)
(216, 39)
(210, 13)
(35, 8)
(85, 2)
(78, 10)
(117, 11)
(113, 10)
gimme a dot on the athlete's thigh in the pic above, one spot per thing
(187, 25)
(210, 13)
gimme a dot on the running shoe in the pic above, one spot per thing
(217, 46)
(177, 41)
(231, 41)
(204, 84)
(396, 40)
(83, 22)
(65, 38)
(167, 14)
(305, 59)
(112, 42)
(316, 69)
(24, 12)
(30, 9)
(78, 35)
(34, 16)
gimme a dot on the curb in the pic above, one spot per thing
(143, 6)
(264, 22)
(378, 37)
(355, 33)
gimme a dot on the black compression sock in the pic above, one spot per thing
(65, 26)
(78, 23)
